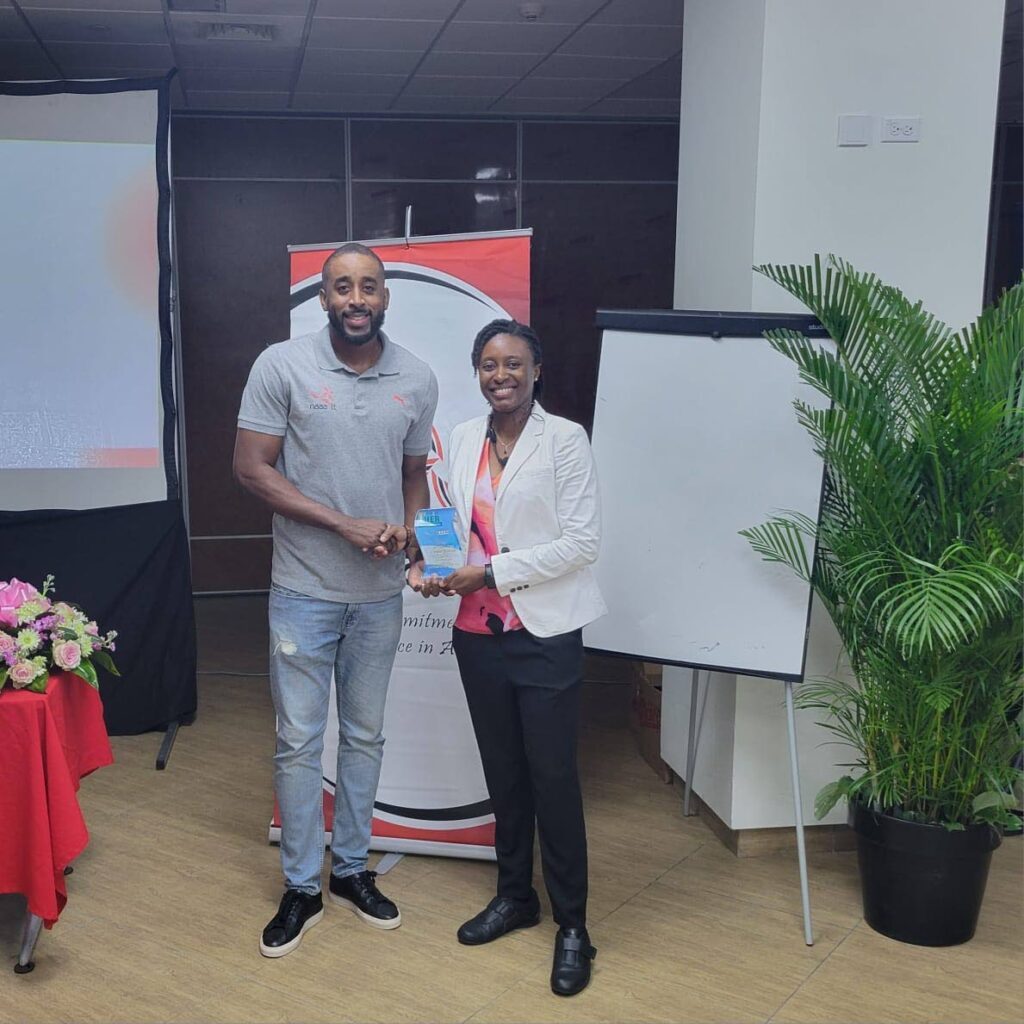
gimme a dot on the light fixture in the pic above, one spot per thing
(531, 11)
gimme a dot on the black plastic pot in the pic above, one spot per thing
(921, 884)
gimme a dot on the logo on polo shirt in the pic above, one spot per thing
(323, 398)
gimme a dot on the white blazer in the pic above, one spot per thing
(547, 519)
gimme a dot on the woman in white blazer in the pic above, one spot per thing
(525, 489)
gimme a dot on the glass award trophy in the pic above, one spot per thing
(439, 541)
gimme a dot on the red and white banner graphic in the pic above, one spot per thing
(432, 797)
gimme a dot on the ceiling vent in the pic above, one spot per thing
(227, 32)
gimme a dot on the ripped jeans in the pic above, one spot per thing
(311, 641)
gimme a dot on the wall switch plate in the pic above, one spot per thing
(855, 130)
(901, 129)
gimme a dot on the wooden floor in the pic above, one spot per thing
(167, 903)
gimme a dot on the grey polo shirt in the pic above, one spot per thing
(345, 434)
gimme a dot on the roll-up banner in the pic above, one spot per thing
(432, 797)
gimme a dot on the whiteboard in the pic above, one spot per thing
(696, 438)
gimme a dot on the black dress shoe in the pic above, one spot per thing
(570, 971)
(360, 894)
(298, 912)
(500, 916)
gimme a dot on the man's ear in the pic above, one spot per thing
(323, 300)
(387, 298)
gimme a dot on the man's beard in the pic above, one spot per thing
(337, 321)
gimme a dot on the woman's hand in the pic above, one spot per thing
(464, 581)
(427, 586)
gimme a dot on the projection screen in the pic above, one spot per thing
(86, 393)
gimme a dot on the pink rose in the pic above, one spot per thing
(92, 629)
(22, 674)
(67, 655)
(7, 644)
(12, 596)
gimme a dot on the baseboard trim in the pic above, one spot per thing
(759, 842)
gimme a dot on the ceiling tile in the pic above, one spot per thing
(194, 28)
(564, 65)
(642, 12)
(333, 103)
(112, 55)
(482, 64)
(488, 36)
(430, 10)
(88, 5)
(236, 79)
(531, 105)
(235, 55)
(360, 62)
(625, 41)
(297, 7)
(635, 108)
(11, 26)
(372, 33)
(569, 12)
(553, 88)
(98, 26)
(351, 85)
(21, 60)
(442, 104)
(662, 82)
(202, 100)
(87, 73)
(446, 85)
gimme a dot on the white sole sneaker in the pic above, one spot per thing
(276, 951)
(374, 922)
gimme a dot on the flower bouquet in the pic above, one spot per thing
(37, 634)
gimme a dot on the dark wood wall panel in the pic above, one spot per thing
(594, 246)
(233, 275)
(438, 208)
(231, 564)
(604, 235)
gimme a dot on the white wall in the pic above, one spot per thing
(761, 179)
(915, 213)
(720, 112)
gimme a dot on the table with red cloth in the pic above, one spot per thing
(48, 742)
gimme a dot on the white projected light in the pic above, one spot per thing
(81, 421)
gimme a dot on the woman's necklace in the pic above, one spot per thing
(503, 449)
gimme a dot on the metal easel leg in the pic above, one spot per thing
(801, 849)
(693, 738)
(29, 938)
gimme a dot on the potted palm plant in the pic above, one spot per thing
(919, 564)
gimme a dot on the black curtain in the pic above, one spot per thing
(128, 568)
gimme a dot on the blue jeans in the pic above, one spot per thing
(309, 640)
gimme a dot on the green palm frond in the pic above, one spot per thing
(920, 545)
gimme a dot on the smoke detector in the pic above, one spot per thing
(531, 11)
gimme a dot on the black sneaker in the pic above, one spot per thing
(297, 912)
(360, 894)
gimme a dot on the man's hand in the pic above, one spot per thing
(394, 538)
(464, 581)
(368, 536)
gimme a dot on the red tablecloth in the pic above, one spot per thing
(48, 741)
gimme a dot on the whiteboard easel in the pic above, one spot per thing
(695, 438)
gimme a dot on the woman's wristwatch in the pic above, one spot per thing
(489, 577)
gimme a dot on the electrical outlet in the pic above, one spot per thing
(901, 129)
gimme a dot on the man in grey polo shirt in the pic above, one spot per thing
(333, 434)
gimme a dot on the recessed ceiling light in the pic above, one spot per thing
(531, 11)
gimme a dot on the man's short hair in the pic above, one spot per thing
(344, 250)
